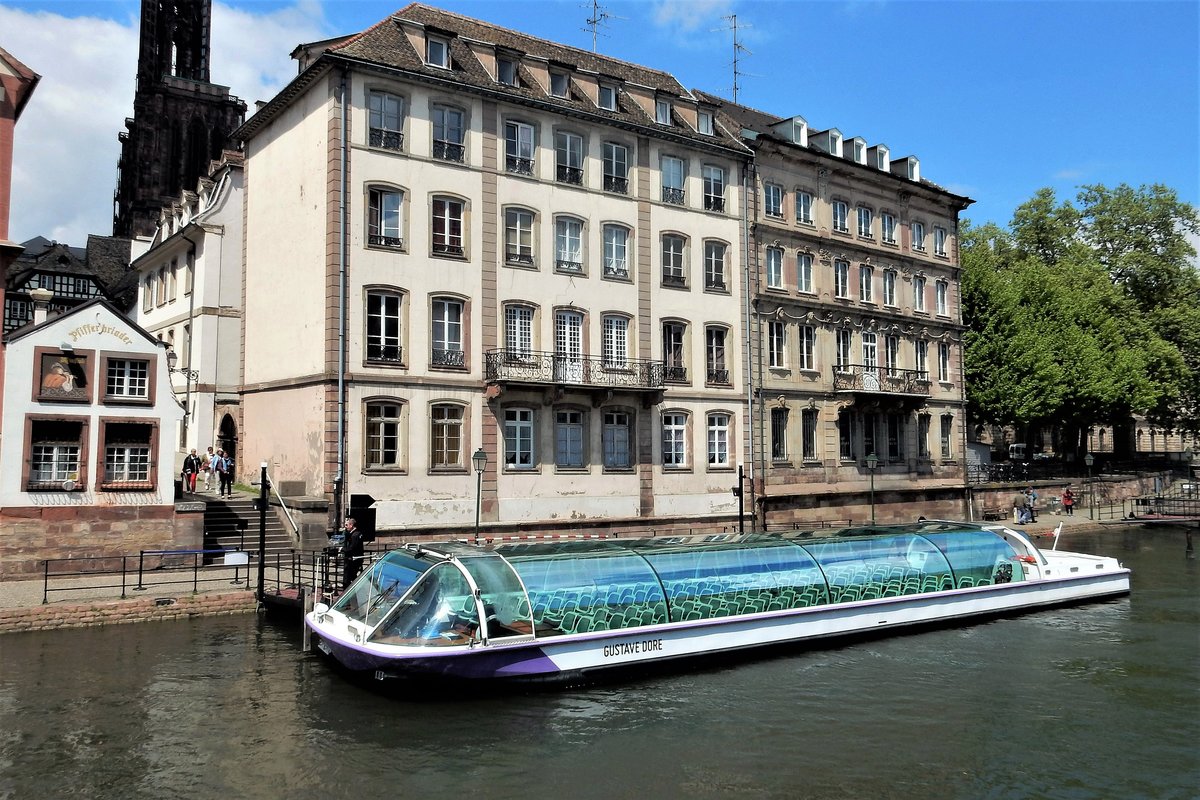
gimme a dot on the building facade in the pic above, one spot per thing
(190, 298)
(463, 241)
(857, 331)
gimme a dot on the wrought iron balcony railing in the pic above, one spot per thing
(570, 175)
(530, 366)
(521, 166)
(675, 374)
(714, 203)
(672, 196)
(614, 184)
(567, 265)
(389, 140)
(673, 280)
(392, 354)
(519, 258)
(880, 380)
(447, 249)
(718, 375)
(447, 358)
(379, 240)
(448, 151)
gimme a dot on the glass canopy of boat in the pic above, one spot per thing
(427, 595)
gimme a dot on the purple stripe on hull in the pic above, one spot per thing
(515, 662)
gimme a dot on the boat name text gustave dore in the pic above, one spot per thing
(632, 648)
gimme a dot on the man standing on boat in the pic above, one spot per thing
(352, 553)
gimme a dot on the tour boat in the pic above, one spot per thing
(569, 609)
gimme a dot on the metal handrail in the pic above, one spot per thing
(283, 505)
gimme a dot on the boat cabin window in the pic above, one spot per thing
(978, 558)
(377, 590)
(506, 609)
(440, 609)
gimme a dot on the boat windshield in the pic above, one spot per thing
(506, 610)
(376, 591)
(439, 610)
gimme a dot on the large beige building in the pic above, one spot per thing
(857, 332)
(460, 241)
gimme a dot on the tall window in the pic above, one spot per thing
(947, 427)
(774, 268)
(804, 272)
(447, 333)
(939, 241)
(841, 214)
(923, 436)
(870, 350)
(842, 349)
(714, 339)
(672, 180)
(841, 278)
(383, 223)
(918, 235)
(616, 251)
(866, 284)
(568, 438)
(568, 155)
(674, 444)
(518, 148)
(383, 327)
(127, 379)
(808, 348)
(943, 361)
(518, 438)
(674, 354)
(887, 223)
(918, 293)
(714, 265)
(865, 222)
(127, 452)
(55, 446)
(446, 436)
(718, 440)
(846, 435)
(776, 344)
(448, 134)
(616, 168)
(714, 187)
(148, 293)
(779, 421)
(808, 434)
(518, 236)
(870, 428)
(804, 202)
(386, 118)
(921, 358)
(616, 437)
(672, 260)
(447, 226)
(773, 200)
(616, 341)
(518, 332)
(889, 287)
(568, 244)
(383, 446)
(940, 291)
(895, 437)
(891, 353)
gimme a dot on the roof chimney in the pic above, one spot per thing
(41, 299)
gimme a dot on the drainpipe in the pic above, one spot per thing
(339, 479)
(746, 168)
(187, 376)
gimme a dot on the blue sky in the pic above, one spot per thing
(997, 99)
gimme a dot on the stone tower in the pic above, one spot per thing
(180, 121)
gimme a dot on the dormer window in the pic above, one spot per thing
(506, 71)
(860, 151)
(560, 84)
(437, 52)
(704, 123)
(662, 112)
(835, 143)
(608, 97)
(882, 158)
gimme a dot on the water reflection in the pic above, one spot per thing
(1091, 701)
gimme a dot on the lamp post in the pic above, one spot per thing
(189, 376)
(480, 462)
(1090, 459)
(872, 463)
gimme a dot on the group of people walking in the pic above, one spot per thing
(215, 465)
(1025, 505)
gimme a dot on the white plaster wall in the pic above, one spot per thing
(287, 434)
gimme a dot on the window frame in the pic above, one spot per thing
(447, 357)
(774, 268)
(776, 344)
(77, 466)
(570, 451)
(520, 240)
(615, 170)
(773, 200)
(381, 234)
(716, 356)
(380, 135)
(520, 147)
(616, 253)
(841, 216)
(804, 207)
(568, 157)
(866, 223)
(437, 41)
(917, 234)
(148, 448)
(675, 350)
(674, 262)
(674, 426)
(442, 431)
(719, 439)
(673, 194)
(380, 357)
(941, 298)
(568, 229)
(519, 324)
(890, 279)
(807, 352)
(919, 291)
(887, 227)
(610, 442)
(448, 243)
(447, 148)
(519, 428)
(866, 283)
(713, 187)
(378, 428)
(149, 378)
(841, 279)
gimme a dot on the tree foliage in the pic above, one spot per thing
(1084, 315)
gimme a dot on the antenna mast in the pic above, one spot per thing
(738, 49)
(598, 18)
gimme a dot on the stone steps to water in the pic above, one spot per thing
(224, 519)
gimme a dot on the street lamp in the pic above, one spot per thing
(872, 463)
(480, 462)
(1090, 459)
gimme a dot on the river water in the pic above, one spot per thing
(1095, 701)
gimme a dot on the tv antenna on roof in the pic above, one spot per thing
(738, 49)
(599, 17)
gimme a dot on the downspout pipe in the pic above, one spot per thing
(339, 480)
(191, 326)
(750, 373)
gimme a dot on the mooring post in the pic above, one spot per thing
(305, 635)
(262, 532)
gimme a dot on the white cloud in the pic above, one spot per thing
(687, 16)
(66, 147)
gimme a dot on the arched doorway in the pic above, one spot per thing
(227, 438)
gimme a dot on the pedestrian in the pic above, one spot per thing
(210, 469)
(352, 553)
(1068, 501)
(191, 468)
(225, 473)
(1032, 505)
(1020, 507)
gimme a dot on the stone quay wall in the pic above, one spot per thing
(90, 613)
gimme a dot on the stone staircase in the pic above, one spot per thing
(223, 522)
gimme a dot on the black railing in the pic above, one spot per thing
(880, 380)
(521, 166)
(615, 272)
(543, 367)
(672, 196)
(718, 375)
(563, 265)
(673, 280)
(389, 140)
(713, 203)
(376, 240)
(715, 283)
(388, 353)
(675, 374)
(570, 175)
(446, 249)
(614, 184)
(519, 258)
(447, 358)
(448, 151)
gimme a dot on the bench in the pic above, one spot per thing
(994, 513)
